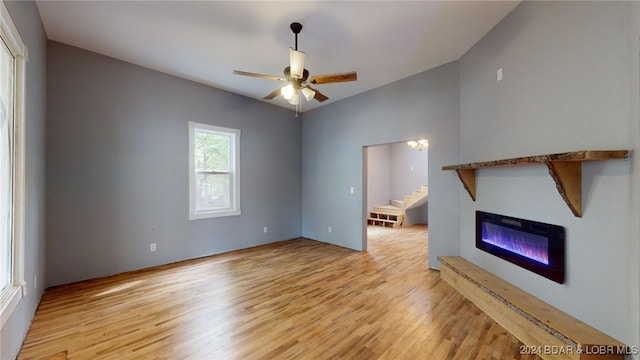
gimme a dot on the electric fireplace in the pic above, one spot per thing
(533, 245)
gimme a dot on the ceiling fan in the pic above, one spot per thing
(296, 77)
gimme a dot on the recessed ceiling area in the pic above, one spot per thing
(204, 41)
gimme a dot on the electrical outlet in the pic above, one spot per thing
(499, 74)
(329, 229)
(152, 247)
(265, 229)
(35, 282)
(351, 190)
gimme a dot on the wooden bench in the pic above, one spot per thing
(543, 329)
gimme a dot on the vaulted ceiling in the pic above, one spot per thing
(204, 41)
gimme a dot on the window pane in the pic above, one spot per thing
(6, 164)
(212, 151)
(214, 185)
(213, 191)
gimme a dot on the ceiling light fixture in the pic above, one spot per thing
(295, 98)
(418, 144)
(308, 93)
(287, 91)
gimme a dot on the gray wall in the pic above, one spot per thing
(117, 168)
(27, 20)
(333, 137)
(393, 172)
(117, 147)
(633, 249)
(570, 83)
(378, 175)
(410, 170)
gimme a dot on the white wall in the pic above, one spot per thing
(570, 83)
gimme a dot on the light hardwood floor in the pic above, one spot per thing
(298, 299)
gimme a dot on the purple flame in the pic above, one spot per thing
(529, 245)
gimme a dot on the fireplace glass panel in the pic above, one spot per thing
(535, 246)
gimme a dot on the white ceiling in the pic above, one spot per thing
(204, 41)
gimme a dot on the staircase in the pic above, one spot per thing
(393, 215)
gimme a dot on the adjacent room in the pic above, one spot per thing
(319, 180)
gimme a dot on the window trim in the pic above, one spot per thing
(235, 148)
(17, 290)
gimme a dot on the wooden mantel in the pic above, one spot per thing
(564, 168)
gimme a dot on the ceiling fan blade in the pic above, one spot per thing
(272, 94)
(296, 62)
(333, 78)
(261, 76)
(318, 95)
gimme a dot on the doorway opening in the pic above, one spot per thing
(395, 196)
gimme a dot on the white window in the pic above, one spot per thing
(12, 75)
(214, 177)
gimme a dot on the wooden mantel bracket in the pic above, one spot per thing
(564, 168)
(468, 178)
(568, 178)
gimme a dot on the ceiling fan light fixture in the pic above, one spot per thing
(295, 98)
(308, 93)
(296, 60)
(287, 91)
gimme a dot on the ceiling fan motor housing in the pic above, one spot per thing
(287, 75)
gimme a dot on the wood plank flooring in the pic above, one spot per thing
(299, 299)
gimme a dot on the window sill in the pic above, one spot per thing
(214, 214)
(9, 300)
